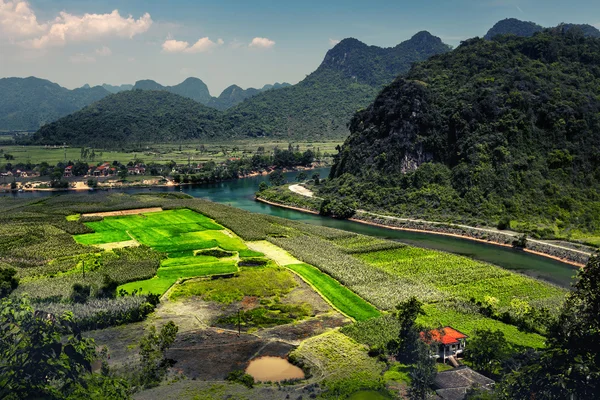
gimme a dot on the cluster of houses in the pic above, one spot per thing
(106, 169)
(17, 173)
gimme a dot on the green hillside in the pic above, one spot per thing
(28, 103)
(136, 116)
(495, 130)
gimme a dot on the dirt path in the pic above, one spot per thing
(123, 212)
(301, 190)
(496, 231)
(273, 252)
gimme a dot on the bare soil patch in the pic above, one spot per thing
(296, 333)
(211, 354)
(118, 245)
(123, 212)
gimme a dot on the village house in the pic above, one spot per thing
(454, 384)
(68, 171)
(451, 343)
(102, 170)
(137, 169)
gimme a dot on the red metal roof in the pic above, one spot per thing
(445, 335)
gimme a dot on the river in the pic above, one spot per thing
(240, 193)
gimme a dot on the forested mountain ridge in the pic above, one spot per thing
(234, 95)
(192, 88)
(502, 129)
(517, 27)
(321, 105)
(28, 103)
(136, 116)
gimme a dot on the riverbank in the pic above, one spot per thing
(565, 255)
(78, 185)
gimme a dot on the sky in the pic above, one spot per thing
(248, 43)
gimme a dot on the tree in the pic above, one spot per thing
(93, 183)
(153, 348)
(406, 346)
(8, 281)
(263, 186)
(41, 355)
(80, 293)
(276, 178)
(301, 176)
(487, 350)
(422, 373)
(569, 367)
(123, 173)
(316, 177)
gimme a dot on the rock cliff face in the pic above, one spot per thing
(509, 126)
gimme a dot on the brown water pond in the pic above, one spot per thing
(273, 369)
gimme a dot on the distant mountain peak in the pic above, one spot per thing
(513, 26)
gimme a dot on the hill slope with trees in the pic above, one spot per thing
(513, 26)
(321, 105)
(129, 117)
(28, 103)
(494, 131)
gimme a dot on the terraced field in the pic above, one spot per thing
(179, 233)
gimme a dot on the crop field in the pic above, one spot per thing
(460, 276)
(340, 296)
(442, 315)
(160, 153)
(278, 283)
(343, 364)
(178, 233)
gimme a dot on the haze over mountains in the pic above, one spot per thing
(349, 78)
(29, 103)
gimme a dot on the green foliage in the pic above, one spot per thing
(35, 361)
(342, 209)
(422, 373)
(153, 349)
(8, 281)
(487, 350)
(266, 316)
(240, 376)
(470, 149)
(80, 293)
(376, 333)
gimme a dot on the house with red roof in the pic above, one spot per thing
(68, 171)
(450, 341)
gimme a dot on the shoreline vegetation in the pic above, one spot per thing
(156, 182)
(572, 257)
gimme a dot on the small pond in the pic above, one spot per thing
(273, 369)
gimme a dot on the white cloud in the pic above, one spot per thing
(333, 42)
(261, 43)
(220, 42)
(81, 58)
(104, 51)
(178, 46)
(19, 23)
(174, 46)
(17, 20)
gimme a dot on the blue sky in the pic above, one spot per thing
(76, 42)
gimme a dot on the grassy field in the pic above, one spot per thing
(340, 296)
(160, 153)
(342, 364)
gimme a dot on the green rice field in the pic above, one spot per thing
(340, 296)
(179, 233)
